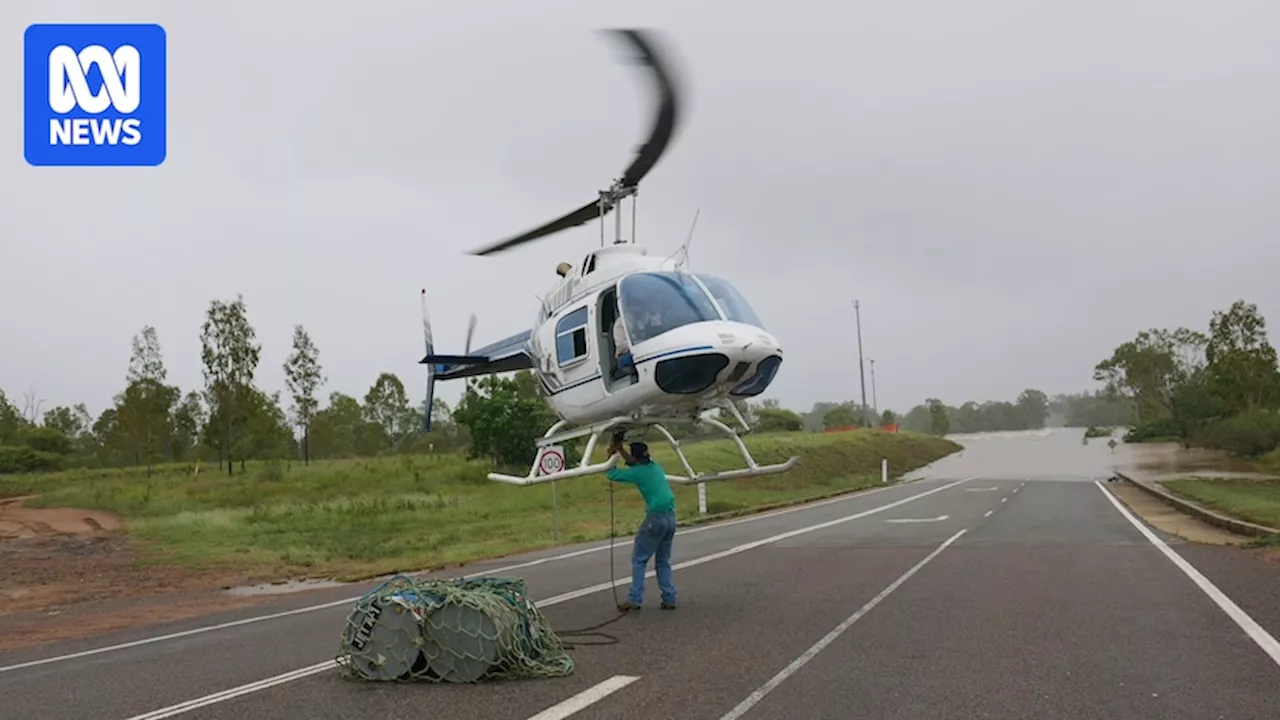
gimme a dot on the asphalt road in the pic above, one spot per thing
(1019, 590)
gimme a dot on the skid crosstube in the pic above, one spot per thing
(557, 434)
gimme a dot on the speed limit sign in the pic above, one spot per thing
(551, 460)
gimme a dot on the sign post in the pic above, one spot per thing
(551, 460)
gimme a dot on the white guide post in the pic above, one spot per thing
(884, 470)
(702, 498)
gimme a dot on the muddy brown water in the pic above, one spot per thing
(1058, 454)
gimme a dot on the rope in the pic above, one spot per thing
(593, 630)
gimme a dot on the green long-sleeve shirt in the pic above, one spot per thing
(651, 479)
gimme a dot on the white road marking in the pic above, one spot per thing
(233, 692)
(591, 695)
(830, 637)
(981, 489)
(1251, 628)
(494, 571)
(988, 513)
(564, 597)
(1004, 499)
(940, 518)
(1017, 488)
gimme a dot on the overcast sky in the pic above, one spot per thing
(1010, 188)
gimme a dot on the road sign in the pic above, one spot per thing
(551, 460)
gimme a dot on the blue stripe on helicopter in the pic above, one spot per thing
(573, 385)
(647, 358)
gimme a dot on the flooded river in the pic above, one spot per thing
(1057, 454)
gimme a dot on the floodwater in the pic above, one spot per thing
(1058, 454)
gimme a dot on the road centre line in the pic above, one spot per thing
(1251, 628)
(327, 665)
(758, 694)
(494, 571)
(587, 697)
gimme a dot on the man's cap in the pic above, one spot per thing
(639, 451)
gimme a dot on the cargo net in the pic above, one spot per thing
(462, 631)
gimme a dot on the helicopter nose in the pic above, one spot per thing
(753, 359)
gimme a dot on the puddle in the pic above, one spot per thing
(283, 588)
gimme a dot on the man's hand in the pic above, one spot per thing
(615, 448)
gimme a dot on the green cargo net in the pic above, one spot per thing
(461, 630)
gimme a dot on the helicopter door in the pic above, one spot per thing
(574, 357)
(615, 377)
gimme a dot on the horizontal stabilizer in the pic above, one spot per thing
(453, 360)
(506, 355)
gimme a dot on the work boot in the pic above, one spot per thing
(626, 606)
(668, 606)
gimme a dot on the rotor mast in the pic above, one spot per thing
(609, 199)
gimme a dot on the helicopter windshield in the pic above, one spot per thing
(736, 307)
(656, 302)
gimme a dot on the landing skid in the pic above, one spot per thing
(557, 434)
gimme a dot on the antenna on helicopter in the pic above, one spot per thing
(664, 125)
(683, 263)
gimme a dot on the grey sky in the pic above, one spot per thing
(1011, 188)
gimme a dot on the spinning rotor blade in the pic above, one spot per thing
(647, 156)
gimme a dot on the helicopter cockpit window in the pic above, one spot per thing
(653, 303)
(735, 306)
(571, 336)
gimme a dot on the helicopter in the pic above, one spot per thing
(695, 343)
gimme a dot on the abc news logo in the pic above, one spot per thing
(69, 89)
(95, 94)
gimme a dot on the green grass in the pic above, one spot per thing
(363, 517)
(1255, 501)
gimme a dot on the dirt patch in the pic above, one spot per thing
(74, 573)
(18, 522)
(1161, 515)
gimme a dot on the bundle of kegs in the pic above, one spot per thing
(459, 631)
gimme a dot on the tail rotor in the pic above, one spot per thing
(471, 331)
(431, 367)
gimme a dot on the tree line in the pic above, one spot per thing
(1218, 389)
(229, 419)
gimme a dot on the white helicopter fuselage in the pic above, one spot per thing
(694, 341)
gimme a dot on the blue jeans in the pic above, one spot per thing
(653, 539)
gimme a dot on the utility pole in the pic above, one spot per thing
(862, 378)
(875, 405)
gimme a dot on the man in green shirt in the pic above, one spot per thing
(656, 533)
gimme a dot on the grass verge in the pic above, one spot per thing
(1255, 501)
(359, 518)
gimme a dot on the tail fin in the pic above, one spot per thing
(431, 368)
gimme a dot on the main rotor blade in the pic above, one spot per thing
(647, 155)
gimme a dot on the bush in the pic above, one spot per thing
(24, 459)
(1162, 429)
(778, 420)
(1249, 434)
(45, 439)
